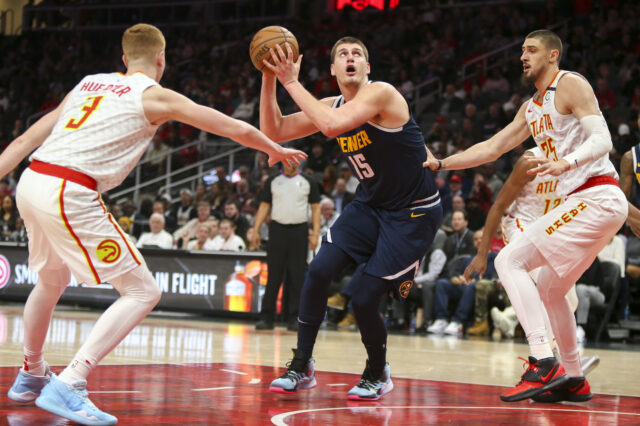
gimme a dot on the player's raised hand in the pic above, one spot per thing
(546, 166)
(285, 68)
(476, 268)
(286, 155)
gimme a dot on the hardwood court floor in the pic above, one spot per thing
(172, 370)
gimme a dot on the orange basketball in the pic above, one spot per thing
(267, 38)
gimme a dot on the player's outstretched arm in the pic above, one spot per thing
(276, 126)
(507, 195)
(370, 101)
(161, 105)
(506, 139)
(32, 138)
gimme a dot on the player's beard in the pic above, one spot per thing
(529, 78)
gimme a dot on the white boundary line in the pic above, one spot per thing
(279, 418)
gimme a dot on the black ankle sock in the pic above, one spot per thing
(377, 358)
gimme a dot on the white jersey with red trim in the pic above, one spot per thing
(102, 130)
(557, 135)
(536, 198)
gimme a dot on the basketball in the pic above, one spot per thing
(267, 38)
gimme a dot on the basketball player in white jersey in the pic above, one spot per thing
(564, 119)
(88, 145)
(522, 200)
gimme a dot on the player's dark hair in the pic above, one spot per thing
(549, 39)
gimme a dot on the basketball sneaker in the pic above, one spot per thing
(72, 402)
(541, 375)
(576, 389)
(300, 375)
(372, 387)
(27, 387)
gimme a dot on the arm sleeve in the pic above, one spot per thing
(598, 142)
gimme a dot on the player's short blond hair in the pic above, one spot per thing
(142, 41)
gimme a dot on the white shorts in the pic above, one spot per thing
(571, 235)
(512, 226)
(68, 225)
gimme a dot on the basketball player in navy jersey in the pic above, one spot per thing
(385, 230)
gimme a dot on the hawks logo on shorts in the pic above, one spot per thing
(108, 251)
(404, 289)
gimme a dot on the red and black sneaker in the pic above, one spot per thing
(576, 389)
(541, 376)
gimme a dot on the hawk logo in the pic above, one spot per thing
(404, 289)
(5, 271)
(108, 251)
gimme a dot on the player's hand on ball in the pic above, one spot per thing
(285, 68)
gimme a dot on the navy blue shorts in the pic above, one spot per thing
(390, 242)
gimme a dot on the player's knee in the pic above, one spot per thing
(54, 278)
(502, 260)
(139, 284)
(319, 273)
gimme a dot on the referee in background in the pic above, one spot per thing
(288, 196)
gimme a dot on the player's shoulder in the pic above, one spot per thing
(572, 81)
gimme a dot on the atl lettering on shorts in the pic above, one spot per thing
(565, 218)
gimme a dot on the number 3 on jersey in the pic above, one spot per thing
(362, 168)
(88, 109)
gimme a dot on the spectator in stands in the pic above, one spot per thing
(481, 191)
(450, 103)
(154, 162)
(241, 194)
(589, 288)
(202, 241)
(340, 195)
(188, 231)
(494, 121)
(169, 224)
(456, 287)
(349, 178)
(217, 197)
(246, 109)
(200, 193)
(19, 235)
(318, 160)
(157, 237)
(431, 268)
(461, 241)
(184, 210)
(141, 218)
(125, 224)
(457, 204)
(606, 97)
(329, 178)
(240, 222)
(227, 239)
(8, 216)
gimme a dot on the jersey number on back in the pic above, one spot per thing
(362, 168)
(87, 109)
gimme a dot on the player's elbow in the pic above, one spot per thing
(330, 129)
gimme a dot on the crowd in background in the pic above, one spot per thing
(407, 47)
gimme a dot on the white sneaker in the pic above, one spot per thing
(580, 334)
(437, 327)
(504, 322)
(453, 328)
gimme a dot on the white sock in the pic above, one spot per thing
(78, 369)
(33, 363)
(539, 344)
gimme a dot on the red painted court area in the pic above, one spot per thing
(236, 394)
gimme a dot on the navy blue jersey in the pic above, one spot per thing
(388, 163)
